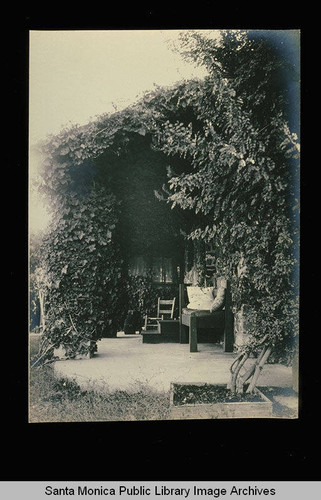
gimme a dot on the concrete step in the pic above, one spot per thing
(151, 337)
(159, 338)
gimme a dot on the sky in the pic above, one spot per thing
(75, 76)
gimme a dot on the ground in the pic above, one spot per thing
(126, 364)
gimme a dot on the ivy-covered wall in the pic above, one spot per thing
(83, 272)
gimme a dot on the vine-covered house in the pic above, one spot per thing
(189, 183)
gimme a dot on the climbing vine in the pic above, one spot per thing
(243, 179)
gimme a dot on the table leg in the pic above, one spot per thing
(183, 334)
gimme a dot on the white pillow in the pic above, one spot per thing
(200, 298)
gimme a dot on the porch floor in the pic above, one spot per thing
(125, 363)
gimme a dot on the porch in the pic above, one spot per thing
(125, 363)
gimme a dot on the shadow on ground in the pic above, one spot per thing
(284, 400)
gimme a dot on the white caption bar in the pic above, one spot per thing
(169, 490)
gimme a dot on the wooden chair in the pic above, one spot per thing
(165, 310)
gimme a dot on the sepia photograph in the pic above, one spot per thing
(163, 252)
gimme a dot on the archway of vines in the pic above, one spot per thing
(105, 211)
(224, 150)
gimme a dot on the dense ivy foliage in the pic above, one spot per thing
(83, 273)
(232, 168)
(244, 175)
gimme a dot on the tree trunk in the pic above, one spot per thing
(237, 382)
(240, 361)
(259, 367)
(248, 374)
(42, 311)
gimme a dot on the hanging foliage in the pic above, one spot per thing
(243, 178)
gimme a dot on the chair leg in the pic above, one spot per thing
(193, 334)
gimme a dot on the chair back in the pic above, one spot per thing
(165, 308)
